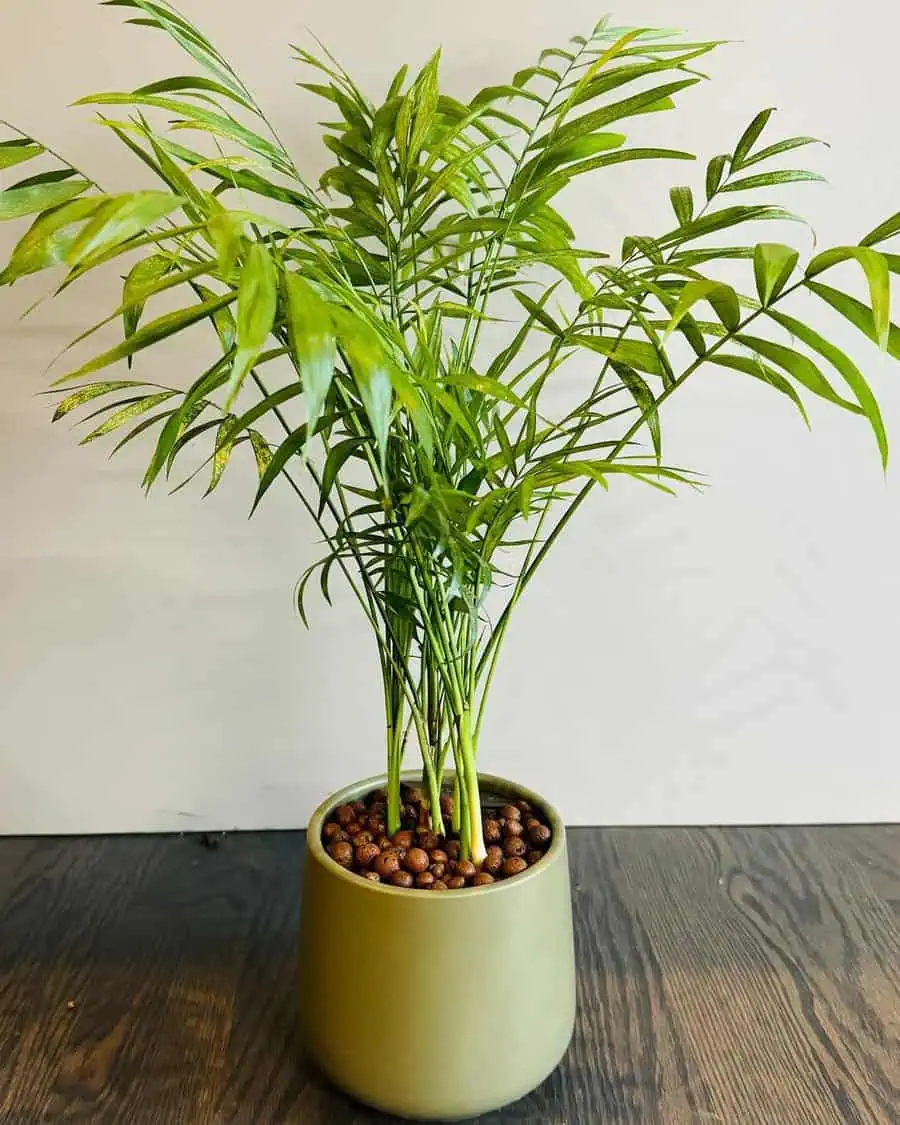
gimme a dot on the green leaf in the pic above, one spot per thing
(292, 445)
(261, 452)
(133, 410)
(334, 462)
(630, 353)
(313, 342)
(645, 401)
(47, 241)
(877, 274)
(159, 329)
(17, 202)
(371, 372)
(682, 204)
(720, 296)
(722, 220)
(851, 374)
(139, 285)
(257, 303)
(715, 170)
(762, 371)
(537, 312)
(193, 84)
(772, 179)
(223, 451)
(749, 137)
(649, 101)
(858, 314)
(18, 151)
(773, 264)
(799, 367)
(884, 230)
(86, 394)
(485, 385)
(778, 148)
(119, 219)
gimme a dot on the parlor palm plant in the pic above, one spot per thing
(426, 308)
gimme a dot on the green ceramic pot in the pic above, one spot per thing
(436, 1005)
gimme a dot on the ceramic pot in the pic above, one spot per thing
(436, 1005)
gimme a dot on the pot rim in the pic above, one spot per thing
(316, 849)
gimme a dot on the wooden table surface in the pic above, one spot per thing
(738, 976)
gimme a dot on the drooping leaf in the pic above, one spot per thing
(877, 274)
(313, 342)
(257, 302)
(842, 363)
(682, 204)
(858, 314)
(715, 170)
(798, 366)
(773, 264)
(720, 296)
(762, 371)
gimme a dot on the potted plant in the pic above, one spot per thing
(421, 350)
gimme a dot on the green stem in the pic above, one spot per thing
(472, 831)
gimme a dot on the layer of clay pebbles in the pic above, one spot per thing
(416, 858)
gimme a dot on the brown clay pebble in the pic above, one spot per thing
(534, 857)
(515, 865)
(465, 868)
(372, 876)
(531, 822)
(376, 825)
(524, 808)
(424, 880)
(344, 815)
(379, 795)
(438, 870)
(513, 828)
(494, 860)
(510, 812)
(438, 855)
(342, 852)
(366, 852)
(428, 840)
(402, 879)
(331, 830)
(416, 861)
(409, 794)
(491, 831)
(353, 828)
(384, 842)
(358, 807)
(447, 805)
(514, 846)
(540, 835)
(456, 883)
(439, 885)
(403, 839)
(482, 879)
(386, 864)
(361, 838)
(452, 849)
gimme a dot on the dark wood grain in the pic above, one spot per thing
(727, 977)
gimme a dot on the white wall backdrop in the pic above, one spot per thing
(730, 657)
